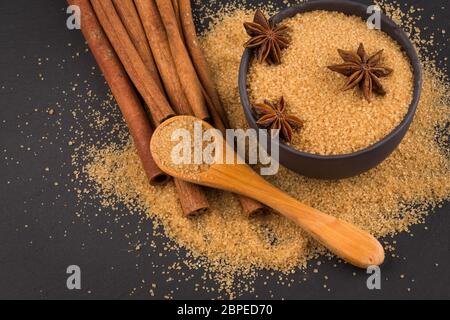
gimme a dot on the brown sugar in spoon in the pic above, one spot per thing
(343, 239)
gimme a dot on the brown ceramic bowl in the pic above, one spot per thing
(348, 165)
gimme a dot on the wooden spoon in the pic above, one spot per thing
(343, 239)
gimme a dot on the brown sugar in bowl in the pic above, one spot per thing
(347, 165)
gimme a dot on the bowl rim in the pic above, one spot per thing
(408, 48)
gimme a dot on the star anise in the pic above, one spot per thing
(268, 39)
(273, 116)
(362, 70)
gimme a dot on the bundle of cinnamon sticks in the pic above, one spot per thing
(150, 48)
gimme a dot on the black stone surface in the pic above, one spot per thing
(41, 235)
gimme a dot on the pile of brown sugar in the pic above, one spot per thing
(385, 201)
(336, 122)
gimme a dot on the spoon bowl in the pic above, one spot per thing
(343, 239)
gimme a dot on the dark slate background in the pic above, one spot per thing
(41, 235)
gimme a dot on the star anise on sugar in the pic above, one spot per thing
(363, 70)
(266, 38)
(274, 116)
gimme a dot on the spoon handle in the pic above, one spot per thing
(343, 239)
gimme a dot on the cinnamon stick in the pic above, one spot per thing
(176, 9)
(186, 71)
(198, 58)
(130, 18)
(122, 89)
(144, 81)
(157, 38)
(251, 207)
(216, 120)
(191, 196)
(218, 113)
